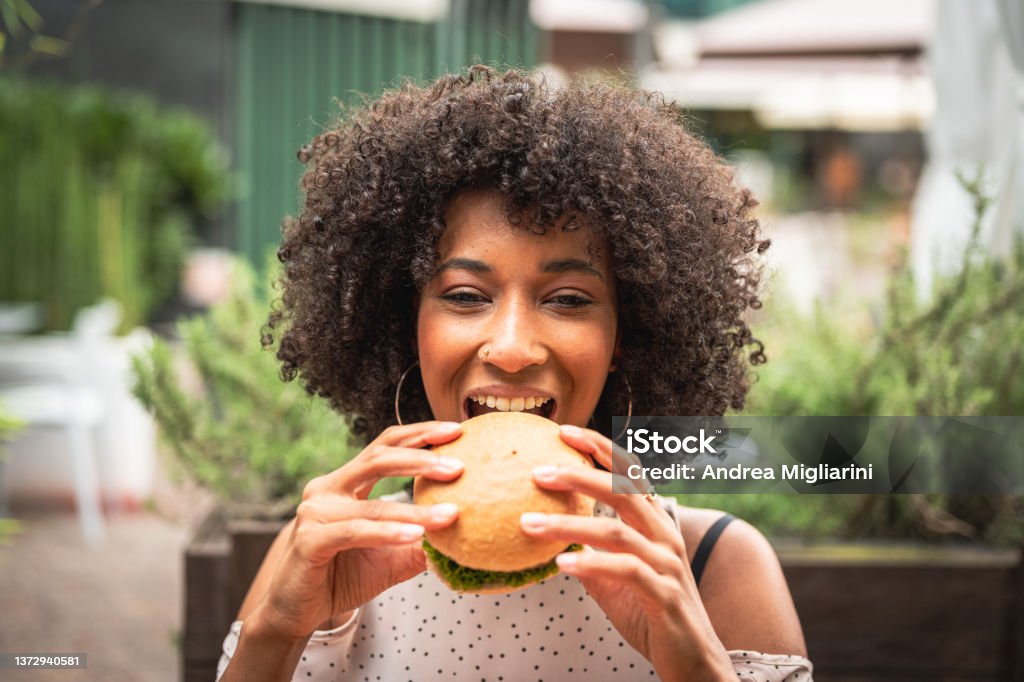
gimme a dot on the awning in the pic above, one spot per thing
(818, 26)
(807, 93)
(591, 16)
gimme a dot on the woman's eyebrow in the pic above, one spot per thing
(476, 266)
(551, 266)
(571, 265)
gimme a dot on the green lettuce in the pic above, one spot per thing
(466, 579)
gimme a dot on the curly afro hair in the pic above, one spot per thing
(684, 245)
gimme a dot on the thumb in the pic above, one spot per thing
(409, 560)
(593, 586)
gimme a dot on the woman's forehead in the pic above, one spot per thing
(477, 225)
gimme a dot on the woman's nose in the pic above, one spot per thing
(515, 341)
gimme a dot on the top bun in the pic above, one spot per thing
(499, 451)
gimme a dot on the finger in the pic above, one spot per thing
(412, 561)
(420, 434)
(319, 543)
(325, 509)
(655, 591)
(382, 461)
(609, 455)
(378, 460)
(635, 510)
(609, 534)
(589, 442)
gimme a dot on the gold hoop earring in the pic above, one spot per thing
(629, 408)
(398, 391)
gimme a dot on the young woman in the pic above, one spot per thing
(573, 252)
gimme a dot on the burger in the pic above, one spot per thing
(486, 550)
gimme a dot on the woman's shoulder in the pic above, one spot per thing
(738, 546)
(743, 587)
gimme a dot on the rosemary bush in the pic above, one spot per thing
(957, 353)
(252, 439)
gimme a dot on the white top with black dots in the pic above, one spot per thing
(421, 630)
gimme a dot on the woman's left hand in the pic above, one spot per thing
(642, 581)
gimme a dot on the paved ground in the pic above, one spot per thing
(121, 603)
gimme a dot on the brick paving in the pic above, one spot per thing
(121, 603)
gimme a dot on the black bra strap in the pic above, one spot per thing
(707, 543)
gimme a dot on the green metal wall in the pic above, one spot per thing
(293, 63)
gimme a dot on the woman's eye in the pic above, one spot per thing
(463, 298)
(571, 300)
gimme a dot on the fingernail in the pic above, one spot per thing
(571, 430)
(545, 472)
(448, 427)
(449, 465)
(410, 531)
(533, 520)
(566, 562)
(444, 511)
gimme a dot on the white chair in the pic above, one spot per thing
(51, 381)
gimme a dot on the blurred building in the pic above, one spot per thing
(822, 103)
(837, 94)
(270, 73)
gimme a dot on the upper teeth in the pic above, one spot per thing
(510, 404)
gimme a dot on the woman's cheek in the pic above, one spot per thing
(588, 362)
(445, 346)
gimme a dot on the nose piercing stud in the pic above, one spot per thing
(485, 353)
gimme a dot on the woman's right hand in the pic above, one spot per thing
(345, 549)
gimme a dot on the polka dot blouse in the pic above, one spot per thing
(421, 630)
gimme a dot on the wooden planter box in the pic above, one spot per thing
(909, 612)
(869, 612)
(220, 564)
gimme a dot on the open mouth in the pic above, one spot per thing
(482, 404)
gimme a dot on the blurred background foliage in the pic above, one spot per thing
(8, 426)
(956, 352)
(229, 420)
(20, 34)
(950, 354)
(99, 193)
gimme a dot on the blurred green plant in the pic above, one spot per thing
(21, 22)
(99, 192)
(951, 353)
(8, 425)
(955, 352)
(252, 439)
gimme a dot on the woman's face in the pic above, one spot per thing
(514, 320)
